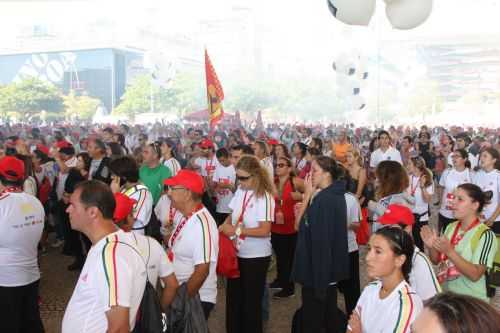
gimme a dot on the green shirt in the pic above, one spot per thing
(153, 179)
(483, 254)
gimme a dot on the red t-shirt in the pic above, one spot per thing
(286, 205)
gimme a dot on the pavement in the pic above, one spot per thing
(57, 285)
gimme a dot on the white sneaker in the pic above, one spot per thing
(57, 243)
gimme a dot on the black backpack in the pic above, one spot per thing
(150, 316)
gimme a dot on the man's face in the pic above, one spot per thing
(78, 213)
(149, 155)
(460, 143)
(177, 195)
(384, 141)
(92, 149)
(224, 161)
(106, 136)
(235, 156)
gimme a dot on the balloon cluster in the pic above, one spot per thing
(352, 74)
(162, 68)
(402, 14)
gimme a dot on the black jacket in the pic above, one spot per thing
(321, 256)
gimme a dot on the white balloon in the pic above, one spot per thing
(353, 12)
(345, 64)
(408, 14)
(358, 102)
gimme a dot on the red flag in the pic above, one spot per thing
(215, 94)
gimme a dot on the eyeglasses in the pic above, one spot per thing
(243, 178)
(171, 188)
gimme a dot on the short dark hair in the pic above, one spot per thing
(126, 168)
(409, 138)
(222, 152)
(109, 130)
(95, 193)
(245, 149)
(101, 145)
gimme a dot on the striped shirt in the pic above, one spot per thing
(173, 165)
(143, 206)
(197, 243)
(422, 276)
(113, 275)
(393, 314)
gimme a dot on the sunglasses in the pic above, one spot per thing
(157, 147)
(243, 178)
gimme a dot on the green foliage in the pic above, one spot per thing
(28, 98)
(184, 95)
(80, 107)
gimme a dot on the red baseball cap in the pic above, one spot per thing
(397, 214)
(188, 179)
(124, 206)
(206, 143)
(273, 142)
(12, 168)
(63, 144)
(42, 148)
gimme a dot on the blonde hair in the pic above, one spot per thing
(356, 155)
(262, 180)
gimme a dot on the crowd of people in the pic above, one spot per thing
(145, 208)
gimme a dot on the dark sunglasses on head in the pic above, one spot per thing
(240, 178)
(156, 146)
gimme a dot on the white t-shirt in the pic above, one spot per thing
(226, 175)
(420, 207)
(353, 216)
(21, 225)
(450, 179)
(393, 314)
(422, 277)
(391, 154)
(489, 181)
(198, 164)
(173, 165)
(474, 161)
(153, 253)
(113, 275)
(208, 167)
(257, 210)
(268, 164)
(143, 206)
(197, 243)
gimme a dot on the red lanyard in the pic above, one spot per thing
(456, 238)
(208, 167)
(244, 206)
(182, 224)
(297, 162)
(10, 189)
(171, 213)
(414, 189)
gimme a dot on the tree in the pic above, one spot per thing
(28, 98)
(80, 107)
(184, 95)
